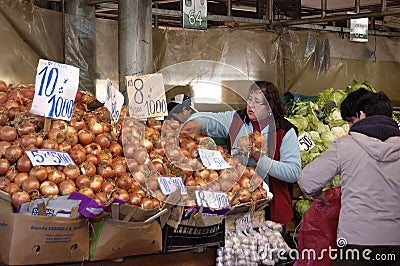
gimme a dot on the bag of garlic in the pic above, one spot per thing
(318, 230)
(264, 246)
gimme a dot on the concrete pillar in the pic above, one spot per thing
(134, 40)
(79, 41)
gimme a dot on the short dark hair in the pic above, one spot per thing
(375, 104)
(348, 108)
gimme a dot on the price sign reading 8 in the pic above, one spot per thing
(146, 96)
(305, 142)
(201, 198)
(55, 90)
(138, 96)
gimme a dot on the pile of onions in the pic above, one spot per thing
(122, 160)
(100, 169)
(154, 149)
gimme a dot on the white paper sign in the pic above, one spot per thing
(55, 90)
(146, 96)
(213, 159)
(114, 101)
(169, 185)
(49, 157)
(244, 223)
(211, 199)
(305, 142)
(359, 30)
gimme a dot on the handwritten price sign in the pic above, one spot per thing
(244, 223)
(213, 159)
(211, 199)
(169, 185)
(146, 96)
(114, 101)
(49, 157)
(305, 142)
(55, 90)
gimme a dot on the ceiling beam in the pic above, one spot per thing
(340, 17)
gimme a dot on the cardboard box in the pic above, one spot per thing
(113, 239)
(28, 239)
(126, 233)
(5, 202)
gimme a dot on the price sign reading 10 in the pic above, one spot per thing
(146, 96)
(55, 90)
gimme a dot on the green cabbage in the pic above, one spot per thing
(302, 206)
(355, 85)
(327, 138)
(314, 135)
(299, 121)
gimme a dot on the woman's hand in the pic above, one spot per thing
(322, 197)
(191, 128)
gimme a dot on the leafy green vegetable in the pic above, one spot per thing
(302, 206)
(338, 132)
(355, 85)
(299, 121)
(327, 138)
(315, 136)
(330, 95)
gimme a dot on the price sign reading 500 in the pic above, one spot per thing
(55, 90)
(146, 96)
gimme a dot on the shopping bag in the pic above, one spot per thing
(318, 230)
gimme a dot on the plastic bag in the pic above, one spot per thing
(318, 230)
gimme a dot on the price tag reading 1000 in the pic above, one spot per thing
(55, 90)
(146, 96)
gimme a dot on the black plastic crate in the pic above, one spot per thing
(189, 237)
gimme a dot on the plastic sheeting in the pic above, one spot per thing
(314, 61)
(301, 61)
(28, 34)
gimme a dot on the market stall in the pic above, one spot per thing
(89, 179)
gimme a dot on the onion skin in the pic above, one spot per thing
(8, 133)
(48, 188)
(66, 187)
(4, 166)
(20, 197)
(30, 184)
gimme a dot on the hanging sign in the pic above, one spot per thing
(211, 199)
(305, 142)
(195, 14)
(114, 100)
(359, 30)
(146, 96)
(213, 159)
(55, 90)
